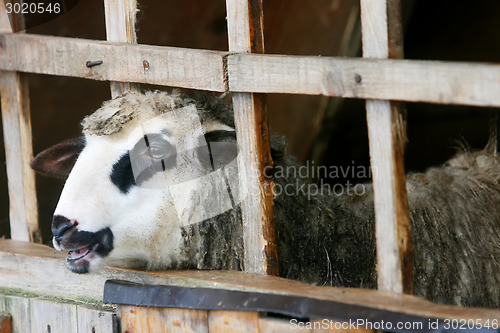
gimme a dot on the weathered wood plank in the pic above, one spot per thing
(47, 316)
(120, 27)
(384, 79)
(245, 31)
(5, 26)
(382, 38)
(37, 269)
(94, 321)
(16, 120)
(90, 317)
(5, 323)
(136, 319)
(19, 309)
(186, 68)
(233, 321)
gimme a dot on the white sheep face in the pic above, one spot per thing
(131, 191)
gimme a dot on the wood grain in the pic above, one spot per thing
(382, 79)
(16, 121)
(38, 269)
(233, 321)
(382, 38)
(32, 313)
(136, 319)
(120, 27)
(169, 66)
(5, 323)
(47, 316)
(19, 309)
(245, 32)
(92, 320)
(385, 79)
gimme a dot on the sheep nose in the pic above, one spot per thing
(60, 225)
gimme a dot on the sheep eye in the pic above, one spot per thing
(158, 149)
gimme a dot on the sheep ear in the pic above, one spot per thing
(222, 148)
(57, 161)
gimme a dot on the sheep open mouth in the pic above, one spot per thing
(76, 255)
(85, 248)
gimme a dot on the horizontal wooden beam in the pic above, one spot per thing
(186, 68)
(38, 269)
(404, 80)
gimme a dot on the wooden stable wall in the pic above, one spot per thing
(39, 272)
(31, 313)
(382, 77)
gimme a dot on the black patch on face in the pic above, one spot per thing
(76, 239)
(222, 149)
(122, 175)
(152, 154)
(105, 239)
(220, 136)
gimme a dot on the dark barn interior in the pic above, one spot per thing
(331, 132)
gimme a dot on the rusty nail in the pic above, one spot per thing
(90, 64)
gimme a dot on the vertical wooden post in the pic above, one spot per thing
(16, 122)
(245, 30)
(120, 27)
(5, 323)
(382, 38)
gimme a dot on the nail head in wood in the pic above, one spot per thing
(91, 64)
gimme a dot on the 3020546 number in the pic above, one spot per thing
(33, 8)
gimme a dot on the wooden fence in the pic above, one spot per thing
(381, 77)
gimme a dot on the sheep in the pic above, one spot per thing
(153, 185)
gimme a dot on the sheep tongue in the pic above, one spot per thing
(79, 253)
